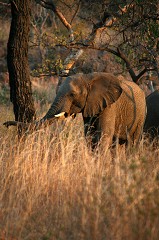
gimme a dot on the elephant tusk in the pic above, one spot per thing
(73, 115)
(60, 114)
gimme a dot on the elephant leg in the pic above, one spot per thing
(99, 130)
(92, 136)
(106, 140)
(91, 131)
(137, 135)
(107, 123)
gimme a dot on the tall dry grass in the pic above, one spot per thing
(53, 188)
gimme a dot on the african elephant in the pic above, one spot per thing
(151, 125)
(111, 108)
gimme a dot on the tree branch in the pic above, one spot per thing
(116, 52)
(50, 5)
(77, 49)
(5, 4)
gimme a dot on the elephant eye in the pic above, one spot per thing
(72, 94)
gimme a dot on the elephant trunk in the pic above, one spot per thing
(59, 108)
(16, 123)
(31, 126)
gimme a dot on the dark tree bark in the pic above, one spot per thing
(17, 60)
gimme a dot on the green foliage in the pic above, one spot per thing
(121, 62)
(154, 29)
(140, 29)
(4, 94)
(139, 1)
(51, 66)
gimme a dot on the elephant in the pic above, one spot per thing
(111, 108)
(151, 126)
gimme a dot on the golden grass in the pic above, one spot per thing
(52, 187)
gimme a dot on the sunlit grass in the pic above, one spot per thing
(53, 187)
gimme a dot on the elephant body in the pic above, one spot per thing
(151, 126)
(111, 108)
(122, 120)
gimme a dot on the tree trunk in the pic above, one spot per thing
(17, 60)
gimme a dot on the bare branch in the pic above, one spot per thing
(77, 9)
(77, 48)
(116, 52)
(50, 5)
(5, 4)
(70, 61)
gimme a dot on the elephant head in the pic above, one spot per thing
(88, 94)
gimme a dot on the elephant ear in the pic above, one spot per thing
(103, 91)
